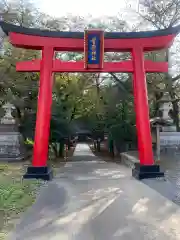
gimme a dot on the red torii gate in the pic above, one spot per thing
(49, 41)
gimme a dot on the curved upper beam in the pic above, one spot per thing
(8, 28)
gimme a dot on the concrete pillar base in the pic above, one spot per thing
(44, 173)
(146, 171)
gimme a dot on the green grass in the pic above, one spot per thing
(16, 195)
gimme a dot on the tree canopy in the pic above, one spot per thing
(102, 102)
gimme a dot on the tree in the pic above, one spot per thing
(165, 14)
(81, 97)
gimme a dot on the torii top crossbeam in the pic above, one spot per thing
(65, 41)
(37, 39)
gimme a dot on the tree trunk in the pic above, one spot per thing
(156, 104)
(95, 147)
(69, 143)
(54, 147)
(176, 114)
(98, 146)
(175, 108)
(19, 115)
(61, 149)
(111, 148)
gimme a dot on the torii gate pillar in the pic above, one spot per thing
(146, 168)
(41, 142)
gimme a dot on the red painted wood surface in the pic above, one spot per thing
(77, 45)
(43, 117)
(124, 66)
(142, 108)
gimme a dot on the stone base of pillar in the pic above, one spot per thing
(44, 173)
(146, 171)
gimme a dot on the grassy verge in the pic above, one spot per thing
(16, 194)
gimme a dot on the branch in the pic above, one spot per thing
(120, 84)
(6, 5)
(176, 78)
(149, 20)
(167, 8)
(174, 18)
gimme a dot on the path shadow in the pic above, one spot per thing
(108, 215)
(50, 203)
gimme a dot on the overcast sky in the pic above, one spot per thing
(96, 8)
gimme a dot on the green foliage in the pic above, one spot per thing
(29, 142)
(123, 132)
(158, 15)
(15, 195)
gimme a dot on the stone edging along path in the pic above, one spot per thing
(128, 160)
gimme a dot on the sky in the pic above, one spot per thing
(96, 8)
